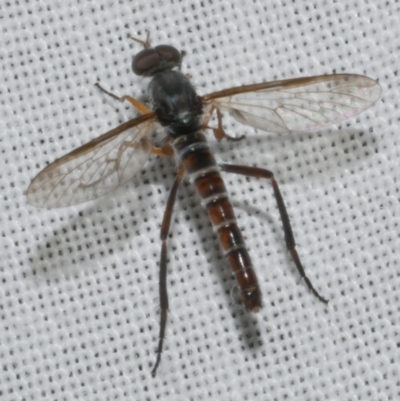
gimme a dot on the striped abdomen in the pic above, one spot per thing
(195, 155)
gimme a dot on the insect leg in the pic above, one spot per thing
(290, 243)
(163, 266)
(146, 43)
(140, 107)
(165, 150)
(219, 132)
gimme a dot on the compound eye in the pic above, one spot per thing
(169, 53)
(145, 61)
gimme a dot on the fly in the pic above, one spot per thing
(111, 160)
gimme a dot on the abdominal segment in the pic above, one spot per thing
(212, 190)
(196, 158)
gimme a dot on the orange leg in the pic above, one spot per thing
(219, 132)
(140, 107)
(165, 150)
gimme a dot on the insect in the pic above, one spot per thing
(112, 159)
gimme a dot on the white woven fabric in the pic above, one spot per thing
(79, 286)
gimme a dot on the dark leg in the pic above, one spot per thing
(262, 173)
(163, 267)
(145, 44)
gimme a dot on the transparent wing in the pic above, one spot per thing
(96, 168)
(300, 104)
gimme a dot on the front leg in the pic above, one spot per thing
(291, 246)
(139, 106)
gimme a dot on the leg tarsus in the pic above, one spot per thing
(163, 305)
(234, 139)
(303, 275)
(289, 239)
(165, 225)
(109, 93)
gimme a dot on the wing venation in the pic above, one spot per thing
(300, 104)
(95, 168)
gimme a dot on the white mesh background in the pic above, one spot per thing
(79, 286)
